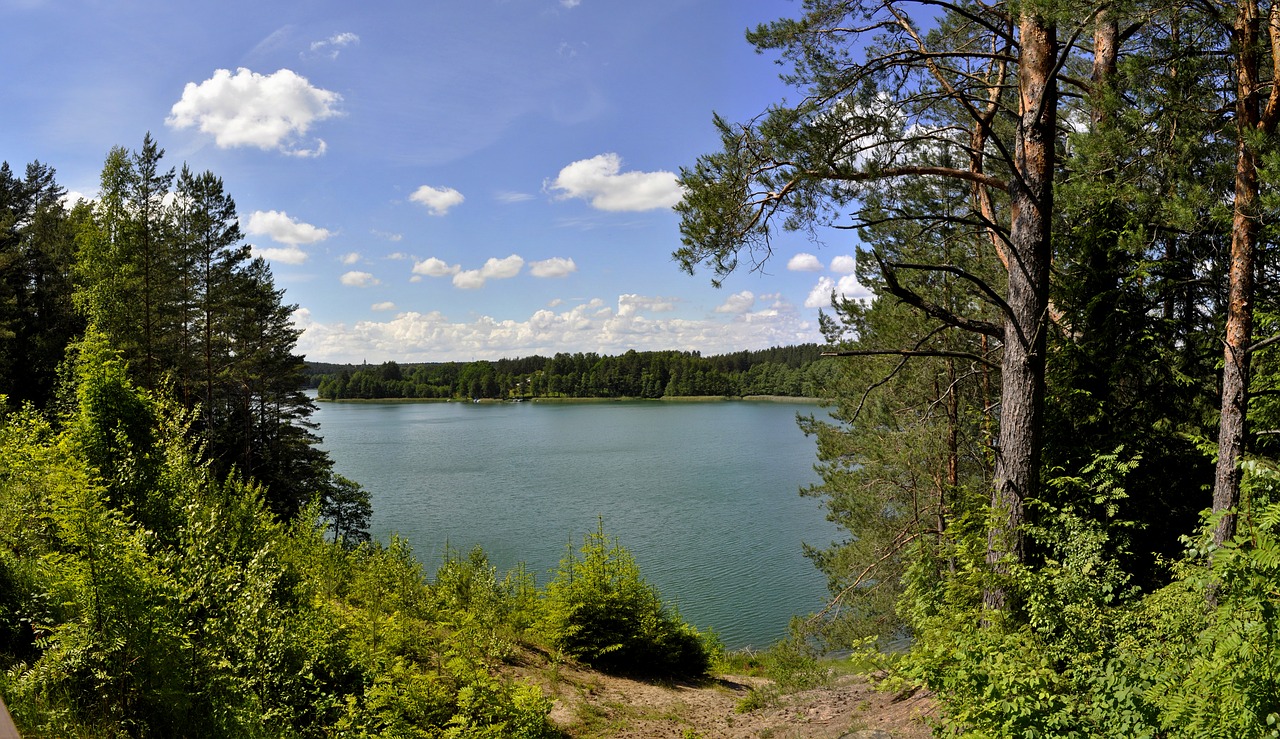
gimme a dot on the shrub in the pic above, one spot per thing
(598, 609)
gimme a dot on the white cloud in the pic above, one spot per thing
(493, 269)
(820, 295)
(383, 306)
(507, 196)
(554, 267)
(397, 256)
(570, 3)
(71, 197)
(502, 269)
(844, 265)
(437, 199)
(359, 279)
(848, 287)
(351, 258)
(738, 303)
(283, 229)
(388, 236)
(600, 181)
(803, 262)
(333, 45)
(272, 111)
(469, 280)
(286, 255)
(851, 289)
(630, 304)
(591, 326)
(432, 267)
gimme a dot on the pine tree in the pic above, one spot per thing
(37, 318)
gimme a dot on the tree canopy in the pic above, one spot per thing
(795, 371)
(1060, 210)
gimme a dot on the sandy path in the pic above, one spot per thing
(592, 705)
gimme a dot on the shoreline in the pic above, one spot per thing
(567, 400)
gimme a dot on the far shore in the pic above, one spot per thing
(676, 399)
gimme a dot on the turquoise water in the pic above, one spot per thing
(705, 495)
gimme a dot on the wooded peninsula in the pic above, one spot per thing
(793, 371)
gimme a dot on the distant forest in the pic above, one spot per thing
(793, 371)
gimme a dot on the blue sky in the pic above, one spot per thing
(435, 180)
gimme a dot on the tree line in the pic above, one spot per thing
(158, 267)
(794, 371)
(1054, 444)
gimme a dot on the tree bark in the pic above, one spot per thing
(1022, 369)
(1244, 236)
(1106, 53)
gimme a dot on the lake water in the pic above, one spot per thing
(704, 495)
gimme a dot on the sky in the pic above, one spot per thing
(432, 180)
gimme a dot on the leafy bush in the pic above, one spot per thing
(598, 609)
(489, 613)
(1087, 655)
(163, 603)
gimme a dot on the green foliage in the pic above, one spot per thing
(792, 664)
(217, 615)
(1219, 668)
(37, 316)
(489, 613)
(168, 284)
(1087, 630)
(1060, 667)
(786, 371)
(599, 609)
(345, 505)
(1090, 655)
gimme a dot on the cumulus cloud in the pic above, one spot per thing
(273, 111)
(851, 289)
(738, 303)
(281, 228)
(630, 304)
(570, 3)
(437, 199)
(469, 280)
(493, 269)
(332, 46)
(281, 255)
(820, 295)
(393, 237)
(350, 258)
(848, 287)
(501, 269)
(433, 267)
(571, 327)
(359, 279)
(804, 262)
(844, 265)
(600, 181)
(383, 306)
(554, 267)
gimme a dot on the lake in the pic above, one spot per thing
(703, 494)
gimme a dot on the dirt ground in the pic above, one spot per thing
(592, 705)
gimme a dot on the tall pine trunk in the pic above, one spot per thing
(1251, 122)
(1022, 369)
